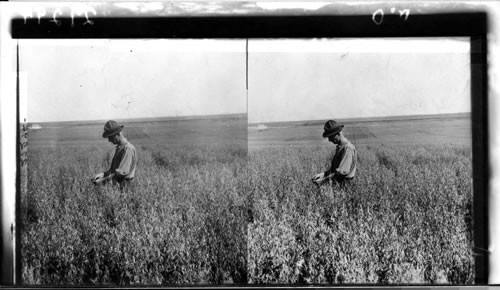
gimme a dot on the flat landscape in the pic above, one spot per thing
(218, 201)
(434, 129)
(406, 218)
(183, 222)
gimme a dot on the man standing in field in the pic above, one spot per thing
(343, 166)
(124, 161)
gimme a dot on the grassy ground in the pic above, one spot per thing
(406, 219)
(205, 210)
(182, 223)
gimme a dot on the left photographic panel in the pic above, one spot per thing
(135, 162)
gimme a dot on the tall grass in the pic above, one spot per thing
(210, 214)
(406, 219)
(182, 222)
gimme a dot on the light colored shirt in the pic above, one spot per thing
(124, 161)
(344, 161)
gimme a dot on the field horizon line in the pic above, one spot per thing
(235, 116)
(365, 119)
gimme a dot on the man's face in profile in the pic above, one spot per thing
(114, 139)
(335, 139)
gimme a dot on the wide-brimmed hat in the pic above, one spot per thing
(111, 128)
(332, 128)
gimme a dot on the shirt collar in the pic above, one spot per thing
(122, 144)
(342, 144)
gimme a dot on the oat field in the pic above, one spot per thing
(406, 218)
(183, 222)
(217, 202)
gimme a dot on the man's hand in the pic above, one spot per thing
(318, 178)
(98, 178)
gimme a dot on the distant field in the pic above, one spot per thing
(406, 219)
(182, 223)
(172, 132)
(437, 130)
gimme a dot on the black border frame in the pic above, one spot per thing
(473, 25)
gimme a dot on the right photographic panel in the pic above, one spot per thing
(360, 161)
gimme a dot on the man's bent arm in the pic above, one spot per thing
(329, 172)
(344, 166)
(125, 164)
(346, 163)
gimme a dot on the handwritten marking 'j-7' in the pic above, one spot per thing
(378, 16)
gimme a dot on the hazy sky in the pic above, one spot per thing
(65, 80)
(291, 80)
